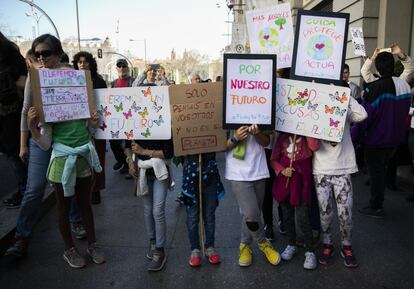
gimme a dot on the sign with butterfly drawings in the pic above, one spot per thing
(271, 32)
(62, 94)
(133, 113)
(320, 46)
(311, 109)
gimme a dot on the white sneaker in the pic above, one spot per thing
(310, 261)
(288, 253)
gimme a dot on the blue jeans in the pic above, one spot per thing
(154, 210)
(209, 209)
(35, 188)
(19, 170)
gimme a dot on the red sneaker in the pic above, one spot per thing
(195, 258)
(212, 256)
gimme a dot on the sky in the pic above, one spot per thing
(165, 24)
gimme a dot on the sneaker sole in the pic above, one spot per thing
(72, 265)
(159, 268)
(245, 264)
(346, 265)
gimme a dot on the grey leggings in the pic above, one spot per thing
(330, 189)
(249, 196)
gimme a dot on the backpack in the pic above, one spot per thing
(10, 98)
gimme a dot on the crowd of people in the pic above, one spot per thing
(307, 177)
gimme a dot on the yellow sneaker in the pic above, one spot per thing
(271, 254)
(245, 258)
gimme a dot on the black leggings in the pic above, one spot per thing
(63, 204)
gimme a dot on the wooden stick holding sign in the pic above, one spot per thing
(200, 198)
(292, 159)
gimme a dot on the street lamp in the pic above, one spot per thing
(44, 13)
(145, 48)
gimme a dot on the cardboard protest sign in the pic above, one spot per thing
(311, 109)
(133, 113)
(196, 111)
(358, 41)
(271, 32)
(62, 94)
(320, 46)
(249, 90)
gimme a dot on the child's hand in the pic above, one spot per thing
(288, 172)
(95, 117)
(32, 117)
(254, 129)
(242, 133)
(133, 169)
(137, 149)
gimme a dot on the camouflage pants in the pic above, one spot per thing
(330, 190)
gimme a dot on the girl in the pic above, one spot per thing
(69, 169)
(213, 191)
(333, 165)
(153, 185)
(292, 162)
(247, 171)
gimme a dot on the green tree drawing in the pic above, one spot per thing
(280, 22)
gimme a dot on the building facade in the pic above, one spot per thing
(383, 22)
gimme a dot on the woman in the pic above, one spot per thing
(153, 183)
(13, 74)
(48, 50)
(85, 61)
(246, 169)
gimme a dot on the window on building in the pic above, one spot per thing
(325, 6)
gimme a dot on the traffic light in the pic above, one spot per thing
(99, 53)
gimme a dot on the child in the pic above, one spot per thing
(73, 156)
(292, 162)
(247, 171)
(333, 165)
(213, 191)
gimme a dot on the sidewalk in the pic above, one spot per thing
(384, 248)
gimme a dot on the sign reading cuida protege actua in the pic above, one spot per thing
(196, 114)
(62, 94)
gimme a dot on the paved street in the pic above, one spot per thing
(384, 248)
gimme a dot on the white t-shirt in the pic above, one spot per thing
(252, 168)
(340, 159)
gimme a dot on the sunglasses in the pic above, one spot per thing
(44, 53)
(121, 65)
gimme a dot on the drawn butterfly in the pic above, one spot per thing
(312, 106)
(115, 134)
(118, 107)
(143, 113)
(342, 99)
(147, 92)
(334, 96)
(159, 121)
(127, 114)
(340, 111)
(329, 109)
(157, 108)
(135, 107)
(104, 111)
(130, 134)
(301, 101)
(303, 94)
(103, 126)
(333, 123)
(146, 134)
(292, 101)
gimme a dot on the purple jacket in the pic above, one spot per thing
(387, 102)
